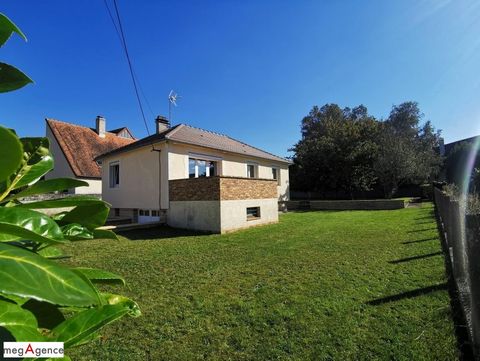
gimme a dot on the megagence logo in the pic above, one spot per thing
(33, 349)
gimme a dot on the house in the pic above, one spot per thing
(74, 149)
(195, 179)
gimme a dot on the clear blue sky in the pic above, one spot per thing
(250, 69)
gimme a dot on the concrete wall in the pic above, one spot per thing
(233, 213)
(139, 179)
(370, 204)
(198, 215)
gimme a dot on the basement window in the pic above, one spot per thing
(253, 213)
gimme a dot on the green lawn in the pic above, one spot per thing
(316, 286)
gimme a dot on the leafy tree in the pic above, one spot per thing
(407, 149)
(41, 299)
(336, 151)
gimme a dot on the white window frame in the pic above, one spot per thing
(203, 158)
(255, 169)
(278, 173)
(110, 182)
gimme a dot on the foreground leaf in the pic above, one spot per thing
(98, 275)
(19, 322)
(104, 234)
(7, 28)
(91, 216)
(27, 274)
(11, 146)
(17, 223)
(11, 78)
(76, 232)
(82, 325)
(37, 161)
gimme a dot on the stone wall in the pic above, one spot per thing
(221, 188)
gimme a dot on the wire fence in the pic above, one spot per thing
(461, 240)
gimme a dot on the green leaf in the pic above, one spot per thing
(18, 223)
(98, 275)
(76, 232)
(46, 186)
(82, 325)
(73, 201)
(51, 252)
(91, 216)
(27, 274)
(104, 234)
(11, 78)
(7, 28)
(19, 322)
(47, 315)
(11, 151)
(37, 161)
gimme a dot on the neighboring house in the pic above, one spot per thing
(74, 149)
(193, 178)
(448, 148)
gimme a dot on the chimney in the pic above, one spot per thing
(100, 126)
(161, 123)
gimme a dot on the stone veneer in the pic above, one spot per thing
(221, 188)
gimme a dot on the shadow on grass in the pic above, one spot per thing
(162, 232)
(408, 259)
(409, 294)
(420, 240)
(422, 230)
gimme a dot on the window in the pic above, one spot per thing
(155, 213)
(250, 171)
(114, 175)
(117, 212)
(276, 174)
(201, 168)
(253, 213)
(144, 212)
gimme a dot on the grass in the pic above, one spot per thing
(349, 285)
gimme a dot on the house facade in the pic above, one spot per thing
(75, 148)
(195, 179)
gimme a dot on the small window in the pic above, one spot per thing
(250, 171)
(212, 168)
(117, 212)
(144, 212)
(114, 175)
(253, 213)
(276, 174)
(155, 213)
(191, 168)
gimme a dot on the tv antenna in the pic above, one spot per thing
(172, 100)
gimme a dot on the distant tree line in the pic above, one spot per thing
(350, 151)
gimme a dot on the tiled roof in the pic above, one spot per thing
(183, 133)
(81, 145)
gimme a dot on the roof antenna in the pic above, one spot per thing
(172, 99)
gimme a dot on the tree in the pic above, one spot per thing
(337, 150)
(42, 300)
(407, 150)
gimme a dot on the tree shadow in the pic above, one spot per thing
(408, 259)
(408, 294)
(421, 240)
(422, 230)
(161, 232)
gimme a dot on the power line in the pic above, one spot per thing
(121, 35)
(134, 73)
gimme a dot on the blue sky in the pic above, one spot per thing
(249, 69)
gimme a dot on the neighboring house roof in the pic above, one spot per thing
(120, 130)
(450, 146)
(187, 134)
(80, 145)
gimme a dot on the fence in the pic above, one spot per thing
(462, 243)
